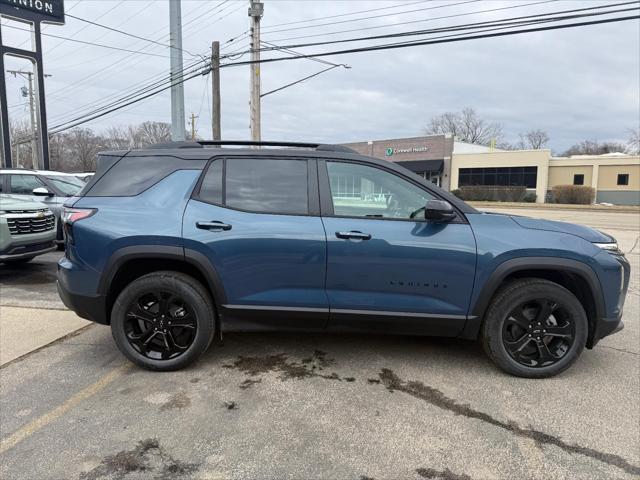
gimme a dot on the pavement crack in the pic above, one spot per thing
(147, 456)
(445, 474)
(436, 398)
(634, 245)
(620, 350)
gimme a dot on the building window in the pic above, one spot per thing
(578, 179)
(623, 179)
(507, 176)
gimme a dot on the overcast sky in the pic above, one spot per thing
(576, 84)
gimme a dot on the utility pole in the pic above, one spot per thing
(36, 147)
(177, 87)
(215, 91)
(193, 125)
(256, 10)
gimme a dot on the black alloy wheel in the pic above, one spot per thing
(534, 328)
(160, 325)
(163, 321)
(538, 333)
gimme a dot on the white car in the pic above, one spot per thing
(49, 187)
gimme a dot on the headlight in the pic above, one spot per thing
(611, 246)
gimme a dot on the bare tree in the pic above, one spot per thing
(84, 145)
(593, 147)
(533, 140)
(466, 126)
(633, 143)
(154, 132)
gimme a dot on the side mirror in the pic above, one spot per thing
(42, 192)
(439, 211)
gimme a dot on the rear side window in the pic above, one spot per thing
(133, 175)
(211, 189)
(278, 186)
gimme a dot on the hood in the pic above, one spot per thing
(589, 234)
(10, 203)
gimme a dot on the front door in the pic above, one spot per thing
(256, 222)
(388, 269)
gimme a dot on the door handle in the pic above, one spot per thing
(353, 235)
(213, 226)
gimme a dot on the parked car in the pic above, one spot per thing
(173, 244)
(48, 187)
(27, 229)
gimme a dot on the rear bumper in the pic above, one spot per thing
(90, 307)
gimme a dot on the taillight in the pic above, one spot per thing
(70, 216)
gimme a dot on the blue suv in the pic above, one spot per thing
(173, 244)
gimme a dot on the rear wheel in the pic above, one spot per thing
(534, 328)
(163, 321)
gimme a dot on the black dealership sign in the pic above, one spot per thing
(49, 11)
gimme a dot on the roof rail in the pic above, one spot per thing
(248, 143)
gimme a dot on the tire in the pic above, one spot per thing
(140, 330)
(515, 341)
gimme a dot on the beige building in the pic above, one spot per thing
(615, 177)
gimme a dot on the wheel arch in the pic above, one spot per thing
(577, 277)
(129, 263)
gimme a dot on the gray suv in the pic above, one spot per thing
(50, 188)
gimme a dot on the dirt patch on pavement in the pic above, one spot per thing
(148, 457)
(288, 369)
(179, 400)
(435, 397)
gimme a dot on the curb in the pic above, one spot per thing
(559, 206)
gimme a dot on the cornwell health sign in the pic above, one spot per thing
(49, 11)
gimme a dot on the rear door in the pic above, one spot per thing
(388, 269)
(256, 220)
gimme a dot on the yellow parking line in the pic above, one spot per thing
(38, 423)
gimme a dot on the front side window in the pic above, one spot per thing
(267, 185)
(578, 179)
(363, 191)
(623, 179)
(24, 184)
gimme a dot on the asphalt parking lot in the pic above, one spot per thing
(318, 406)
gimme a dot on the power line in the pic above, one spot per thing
(345, 14)
(129, 34)
(375, 16)
(410, 22)
(68, 39)
(527, 19)
(459, 38)
(445, 39)
(299, 81)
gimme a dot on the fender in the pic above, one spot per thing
(169, 252)
(472, 326)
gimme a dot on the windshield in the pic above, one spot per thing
(68, 185)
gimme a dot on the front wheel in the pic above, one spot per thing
(534, 328)
(163, 321)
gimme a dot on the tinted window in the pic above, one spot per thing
(267, 185)
(211, 188)
(578, 179)
(508, 176)
(623, 179)
(133, 175)
(362, 191)
(24, 184)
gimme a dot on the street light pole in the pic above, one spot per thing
(177, 87)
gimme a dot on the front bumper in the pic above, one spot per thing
(26, 251)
